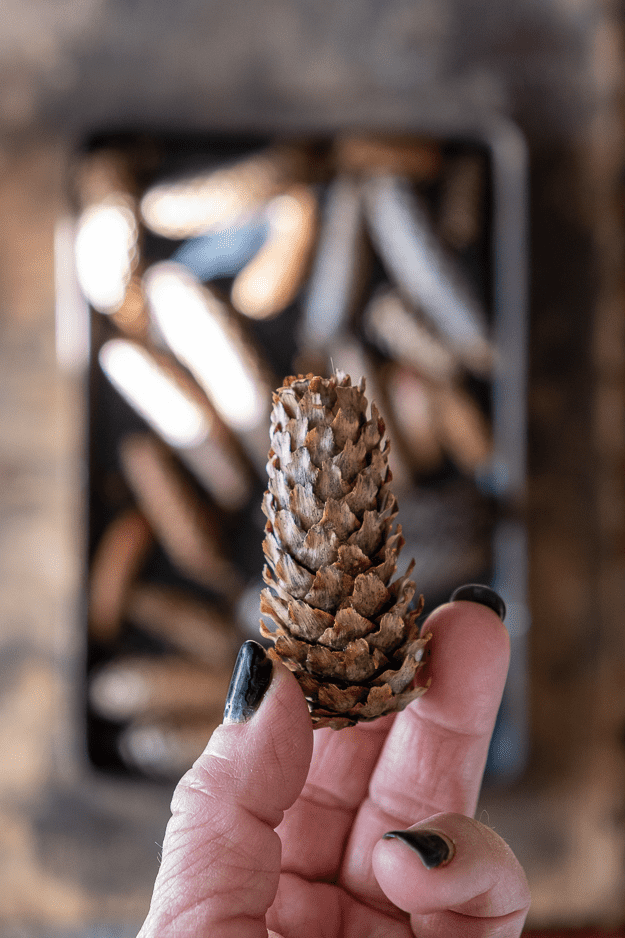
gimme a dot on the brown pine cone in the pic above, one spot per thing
(342, 626)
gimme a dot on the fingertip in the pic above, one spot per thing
(433, 847)
(481, 611)
(277, 701)
(406, 872)
(259, 675)
(266, 738)
(483, 595)
(250, 680)
(450, 861)
(473, 625)
(482, 618)
(468, 660)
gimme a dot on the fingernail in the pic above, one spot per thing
(432, 848)
(250, 679)
(476, 593)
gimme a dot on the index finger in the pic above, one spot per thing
(434, 755)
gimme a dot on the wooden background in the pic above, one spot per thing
(79, 851)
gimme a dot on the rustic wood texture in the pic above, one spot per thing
(78, 849)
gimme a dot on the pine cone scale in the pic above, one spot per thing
(347, 626)
(328, 588)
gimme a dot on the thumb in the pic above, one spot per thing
(455, 876)
(221, 855)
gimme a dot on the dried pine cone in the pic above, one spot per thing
(341, 626)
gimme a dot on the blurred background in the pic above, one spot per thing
(155, 157)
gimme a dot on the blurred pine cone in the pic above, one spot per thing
(342, 626)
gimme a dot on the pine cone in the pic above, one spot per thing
(342, 626)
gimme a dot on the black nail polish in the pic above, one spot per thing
(250, 679)
(431, 848)
(476, 593)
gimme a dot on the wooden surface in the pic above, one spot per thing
(78, 850)
(73, 848)
(76, 847)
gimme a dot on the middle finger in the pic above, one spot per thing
(434, 756)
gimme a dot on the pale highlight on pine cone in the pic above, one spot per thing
(341, 625)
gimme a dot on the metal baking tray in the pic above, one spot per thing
(194, 538)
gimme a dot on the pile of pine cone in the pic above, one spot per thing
(292, 256)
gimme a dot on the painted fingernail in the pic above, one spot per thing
(432, 848)
(476, 593)
(250, 679)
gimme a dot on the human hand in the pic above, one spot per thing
(329, 871)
